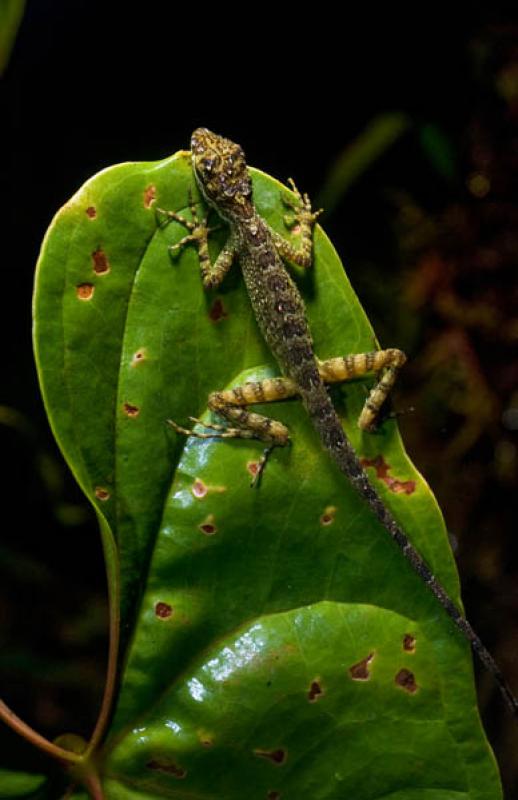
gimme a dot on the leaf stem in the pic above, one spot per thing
(113, 581)
(20, 727)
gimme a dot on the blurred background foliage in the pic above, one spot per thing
(409, 139)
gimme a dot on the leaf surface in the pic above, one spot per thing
(248, 615)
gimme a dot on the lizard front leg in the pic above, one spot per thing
(304, 218)
(211, 273)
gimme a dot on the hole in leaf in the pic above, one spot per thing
(217, 311)
(278, 756)
(409, 643)
(167, 766)
(138, 357)
(406, 680)
(131, 410)
(101, 493)
(199, 489)
(163, 610)
(328, 517)
(360, 671)
(101, 265)
(149, 195)
(207, 526)
(85, 291)
(315, 691)
(91, 212)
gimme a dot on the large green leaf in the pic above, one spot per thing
(276, 643)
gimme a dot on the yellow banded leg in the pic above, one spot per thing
(305, 218)
(336, 370)
(211, 273)
(231, 403)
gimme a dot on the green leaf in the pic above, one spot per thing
(250, 616)
(11, 13)
(20, 784)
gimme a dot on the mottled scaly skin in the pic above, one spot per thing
(221, 172)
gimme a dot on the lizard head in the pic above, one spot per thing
(220, 169)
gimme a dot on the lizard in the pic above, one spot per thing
(221, 173)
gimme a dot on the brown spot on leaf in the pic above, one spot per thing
(328, 517)
(278, 756)
(100, 261)
(91, 212)
(382, 472)
(217, 311)
(167, 766)
(131, 410)
(252, 467)
(315, 691)
(149, 195)
(360, 671)
(409, 643)
(199, 489)
(101, 493)
(85, 291)
(207, 526)
(163, 610)
(406, 680)
(273, 795)
(138, 357)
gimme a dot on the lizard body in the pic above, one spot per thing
(221, 173)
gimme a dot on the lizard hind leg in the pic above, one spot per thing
(231, 403)
(387, 362)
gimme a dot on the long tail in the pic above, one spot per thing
(326, 421)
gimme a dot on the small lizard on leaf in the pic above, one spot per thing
(221, 173)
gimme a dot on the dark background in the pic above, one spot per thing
(428, 231)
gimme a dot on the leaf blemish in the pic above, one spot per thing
(101, 493)
(276, 756)
(406, 680)
(100, 262)
(207, 526)
(163, 610)
(328, 517)
(131, 410)
(167, 766)
(360, 671)
(199, 489)
(273, 795)
(91, 212)
(382, 473)
(315, 691)
(85, 291)
(149, 195)
(217, 311)
(252, 467)
(409, 643)
(138, 357)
